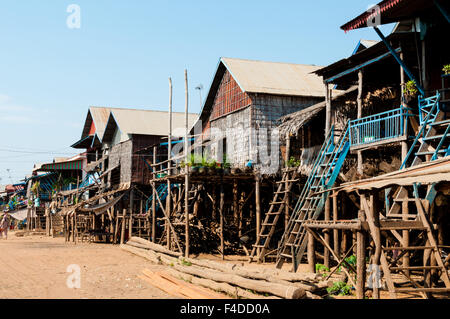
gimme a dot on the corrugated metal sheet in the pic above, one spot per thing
(100, 117)
(428, 173)
(149, 122)
(275, 77)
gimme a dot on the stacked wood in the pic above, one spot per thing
(178, 288)
(232, 279)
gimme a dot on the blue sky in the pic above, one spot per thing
(125, 51)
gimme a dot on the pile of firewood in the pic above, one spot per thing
(232, 279)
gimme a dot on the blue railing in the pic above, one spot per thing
(426, 106)
(379, 127)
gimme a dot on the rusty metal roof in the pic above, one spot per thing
(275, 77)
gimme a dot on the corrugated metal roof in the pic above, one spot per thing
(275, 77)
(427, 173)
(149, 122)
(100, 117)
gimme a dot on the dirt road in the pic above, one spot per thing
(36, 267)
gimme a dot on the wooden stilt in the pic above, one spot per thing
(359, 102)
(311, 253)
(122, 232)
(335, 231)
(258, 208)
(221, 204)
(154, 200)
(360, 260)
(131, 209)
(326, 253)
(169, 211)
(287, 197)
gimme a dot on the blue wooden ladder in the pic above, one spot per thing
(313, 197)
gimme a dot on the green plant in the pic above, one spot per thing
(410, 88)
(351, 260)
(182, 164)
(446, 69)
(292, 162)
(322, 268)
(212, 164)
(340, 288)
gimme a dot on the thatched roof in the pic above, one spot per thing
(293, 122)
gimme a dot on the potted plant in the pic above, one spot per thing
(211, 167)
(226, 168)
(446, 69)
(182, 168)
(410, 90)
(192, 165)
(292, 162)
(203, 166)
(219, 168)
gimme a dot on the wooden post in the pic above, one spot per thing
(335, 218)
(287, 199)
(360, 260)
(327, 110)
(404, 144)
(131, 208)
(235, 201)
(169, 156)
(169, 212)
(359, 102)
(241, 211)
(326, 252)
(375, 215)
(154, 200)
(186, 176)
(221, 204)
(122, 232)
(258, 208)
(311, 253)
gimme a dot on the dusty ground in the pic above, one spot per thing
(35, 267)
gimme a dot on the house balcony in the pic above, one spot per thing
(382, 128)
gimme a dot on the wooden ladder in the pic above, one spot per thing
(276, 209)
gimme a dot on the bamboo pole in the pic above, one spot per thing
(169, 155)
(186, 176)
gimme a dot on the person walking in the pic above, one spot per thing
(4, 226)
